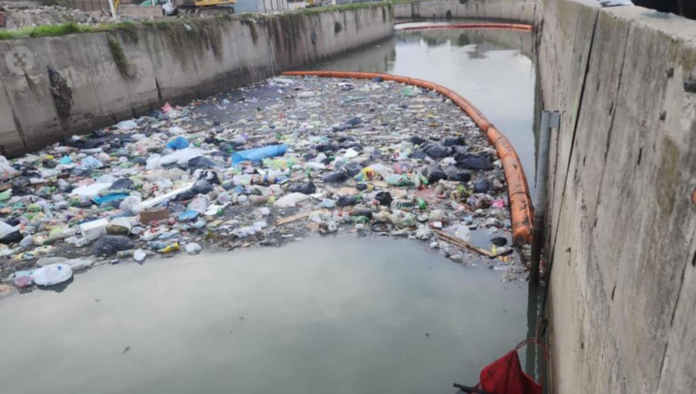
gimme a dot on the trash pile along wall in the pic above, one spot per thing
(124, 73)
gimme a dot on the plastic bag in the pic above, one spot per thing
(436, 150)
(139, 255)
(178, 143)
(334, 177)
(473, 162)
(455, 174)
(290, 200)
(245, 232)
(199, 203)
(193, 248)
(463, 233)
(132, 204)
(110, 198)
(259, 154)
(482, 186)
(351, 153)
(307, 188)
(384, 198)
(345, 201)
(5, 229)
(397, 180)
(188, 215)
(52, 274)
(182, 156)
(454, 141)
(126, 125)
(90, 163)
(435, 173)
(352, 169)
(108, 245)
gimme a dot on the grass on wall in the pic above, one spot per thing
(128, 29)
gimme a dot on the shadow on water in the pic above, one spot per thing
(59, 288)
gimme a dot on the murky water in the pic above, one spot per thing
(494, 69)
(326, 315)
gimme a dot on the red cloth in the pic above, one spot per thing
(505, 376)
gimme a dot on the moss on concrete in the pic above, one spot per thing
(129, 29)
(252, 28)
(119, 57)
(337, 27)
(45, 31)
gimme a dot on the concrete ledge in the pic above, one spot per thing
(524, 11)
(165, 62)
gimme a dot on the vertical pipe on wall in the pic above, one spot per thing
(549, 120)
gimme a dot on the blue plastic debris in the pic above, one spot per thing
(259, 154)
(188, 215)
(107, 198)
(178, 143)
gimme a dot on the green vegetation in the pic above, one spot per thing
(62, 3)
(252, 28)
(45, 31)
(128, 30)
(119, 57)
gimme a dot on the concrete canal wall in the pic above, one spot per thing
(622, 211)
(125, 72)
(526, 11)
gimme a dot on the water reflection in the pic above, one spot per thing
(385, 316)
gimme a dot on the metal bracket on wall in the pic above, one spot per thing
(549, 120)
(554, 120)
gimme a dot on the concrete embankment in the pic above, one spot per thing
(126, 71)
(621, 225)
(526, 11)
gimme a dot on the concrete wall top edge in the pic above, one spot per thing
(674, 26)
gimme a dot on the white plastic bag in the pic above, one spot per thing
(463, 233)
(52, 274)
(199, 203)
(5, 229)
(290, 200)
(193, 248)
(6, 170)
(131, 203)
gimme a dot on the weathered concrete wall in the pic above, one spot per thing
(526, 11)
(140, 11)
(621, 223)
(165, 62)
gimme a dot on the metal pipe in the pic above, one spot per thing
(548, 120)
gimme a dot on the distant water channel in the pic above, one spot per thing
(338, 315)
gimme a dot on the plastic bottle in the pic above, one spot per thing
(170, 248)
(125, 253)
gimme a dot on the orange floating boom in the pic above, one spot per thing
(521, 207)
(504, 26)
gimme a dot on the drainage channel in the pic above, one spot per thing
(337, 314)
